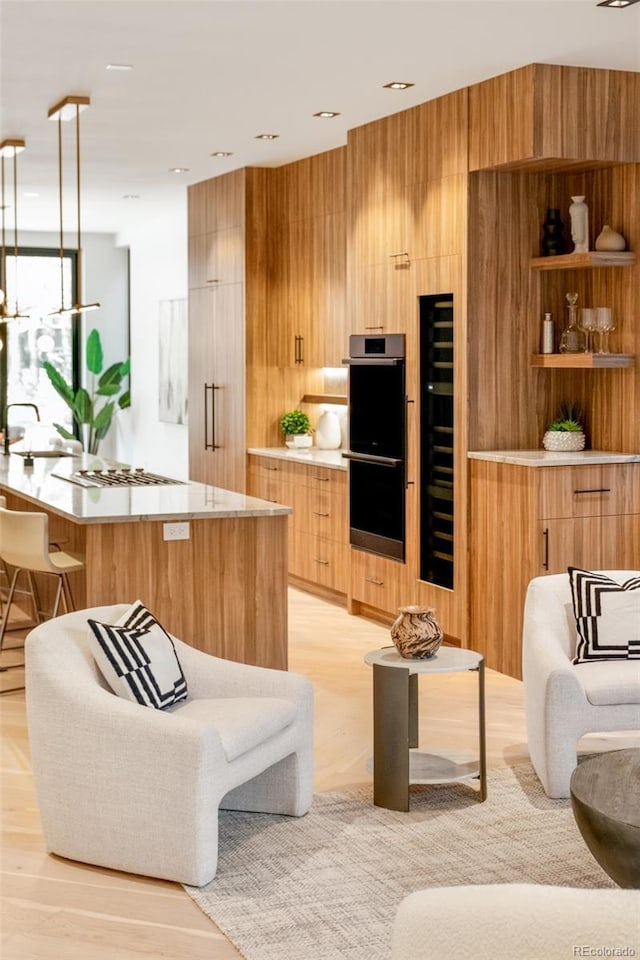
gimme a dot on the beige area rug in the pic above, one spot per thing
(326, 886)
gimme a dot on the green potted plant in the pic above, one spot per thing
(93, 418)
(566, 431)
(295, 426)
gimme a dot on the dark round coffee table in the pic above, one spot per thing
(605, 795)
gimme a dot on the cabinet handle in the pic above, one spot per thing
(595, 490)
(378, 583)
(317, 513)
(325, 563)
(213, 281)
(213, 445)
(545, 536)
(299, 349)
(272, 468)
(380, 327)
(321, 479)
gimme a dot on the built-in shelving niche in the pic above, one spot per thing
(436, 440)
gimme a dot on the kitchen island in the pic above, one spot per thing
(211, 564)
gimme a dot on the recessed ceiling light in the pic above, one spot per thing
(267, 136)
(616, 3)
(397, 85)
(222, 153)
(178, 169)
(327, 113)
(119, 66)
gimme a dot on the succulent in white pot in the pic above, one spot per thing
(565, 432)
(295, 425)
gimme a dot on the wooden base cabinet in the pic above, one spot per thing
(318, 531)
(527, 522)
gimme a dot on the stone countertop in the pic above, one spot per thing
(548, 458)
(179, 501)
(309, 455)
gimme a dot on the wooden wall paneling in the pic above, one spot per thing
(315, 186)
(504, 313)
(607, 103)
(501, 119)
(437, 141)
(216, 257)
(270, 392)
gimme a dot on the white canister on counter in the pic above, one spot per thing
(328, 436)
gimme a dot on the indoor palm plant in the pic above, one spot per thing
(295, 426)
(92, 416)
(566, 431)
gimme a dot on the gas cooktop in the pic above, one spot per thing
(116, 477)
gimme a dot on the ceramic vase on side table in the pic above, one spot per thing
(416, 633)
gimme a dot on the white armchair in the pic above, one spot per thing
(138, 789)
(564, 701)
(514, 921)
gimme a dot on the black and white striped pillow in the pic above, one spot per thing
(137, 658)
(607, 616)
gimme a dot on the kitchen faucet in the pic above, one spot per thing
(6, 421)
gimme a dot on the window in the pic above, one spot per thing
(28, 342)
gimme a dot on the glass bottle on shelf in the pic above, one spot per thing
(573, 339)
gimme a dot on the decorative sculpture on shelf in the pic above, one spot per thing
(579, 213)
(552, 244)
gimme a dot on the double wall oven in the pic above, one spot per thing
(377, 443)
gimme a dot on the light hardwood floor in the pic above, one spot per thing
(54, 908)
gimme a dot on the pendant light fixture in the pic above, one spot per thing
(10, 148)
(70, 109)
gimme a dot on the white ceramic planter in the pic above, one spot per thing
(297, 440)
(563, 441)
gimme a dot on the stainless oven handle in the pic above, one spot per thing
(370, 458)
(374, 361)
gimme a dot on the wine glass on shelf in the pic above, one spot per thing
(604, 326)
(588, 324)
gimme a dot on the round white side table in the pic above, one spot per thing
(397, 759)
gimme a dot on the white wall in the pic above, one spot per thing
(158, 271)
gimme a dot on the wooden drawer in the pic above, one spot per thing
(322, 513)
(270, 487)
(590, 491)
(378, 582)
(272, 467)
(319, 560)
(320, 478)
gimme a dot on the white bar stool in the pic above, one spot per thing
(24, 545)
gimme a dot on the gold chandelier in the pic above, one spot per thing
(68, 109)
(10, 148)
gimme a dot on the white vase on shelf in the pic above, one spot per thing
(610, 240)
(579, 213)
